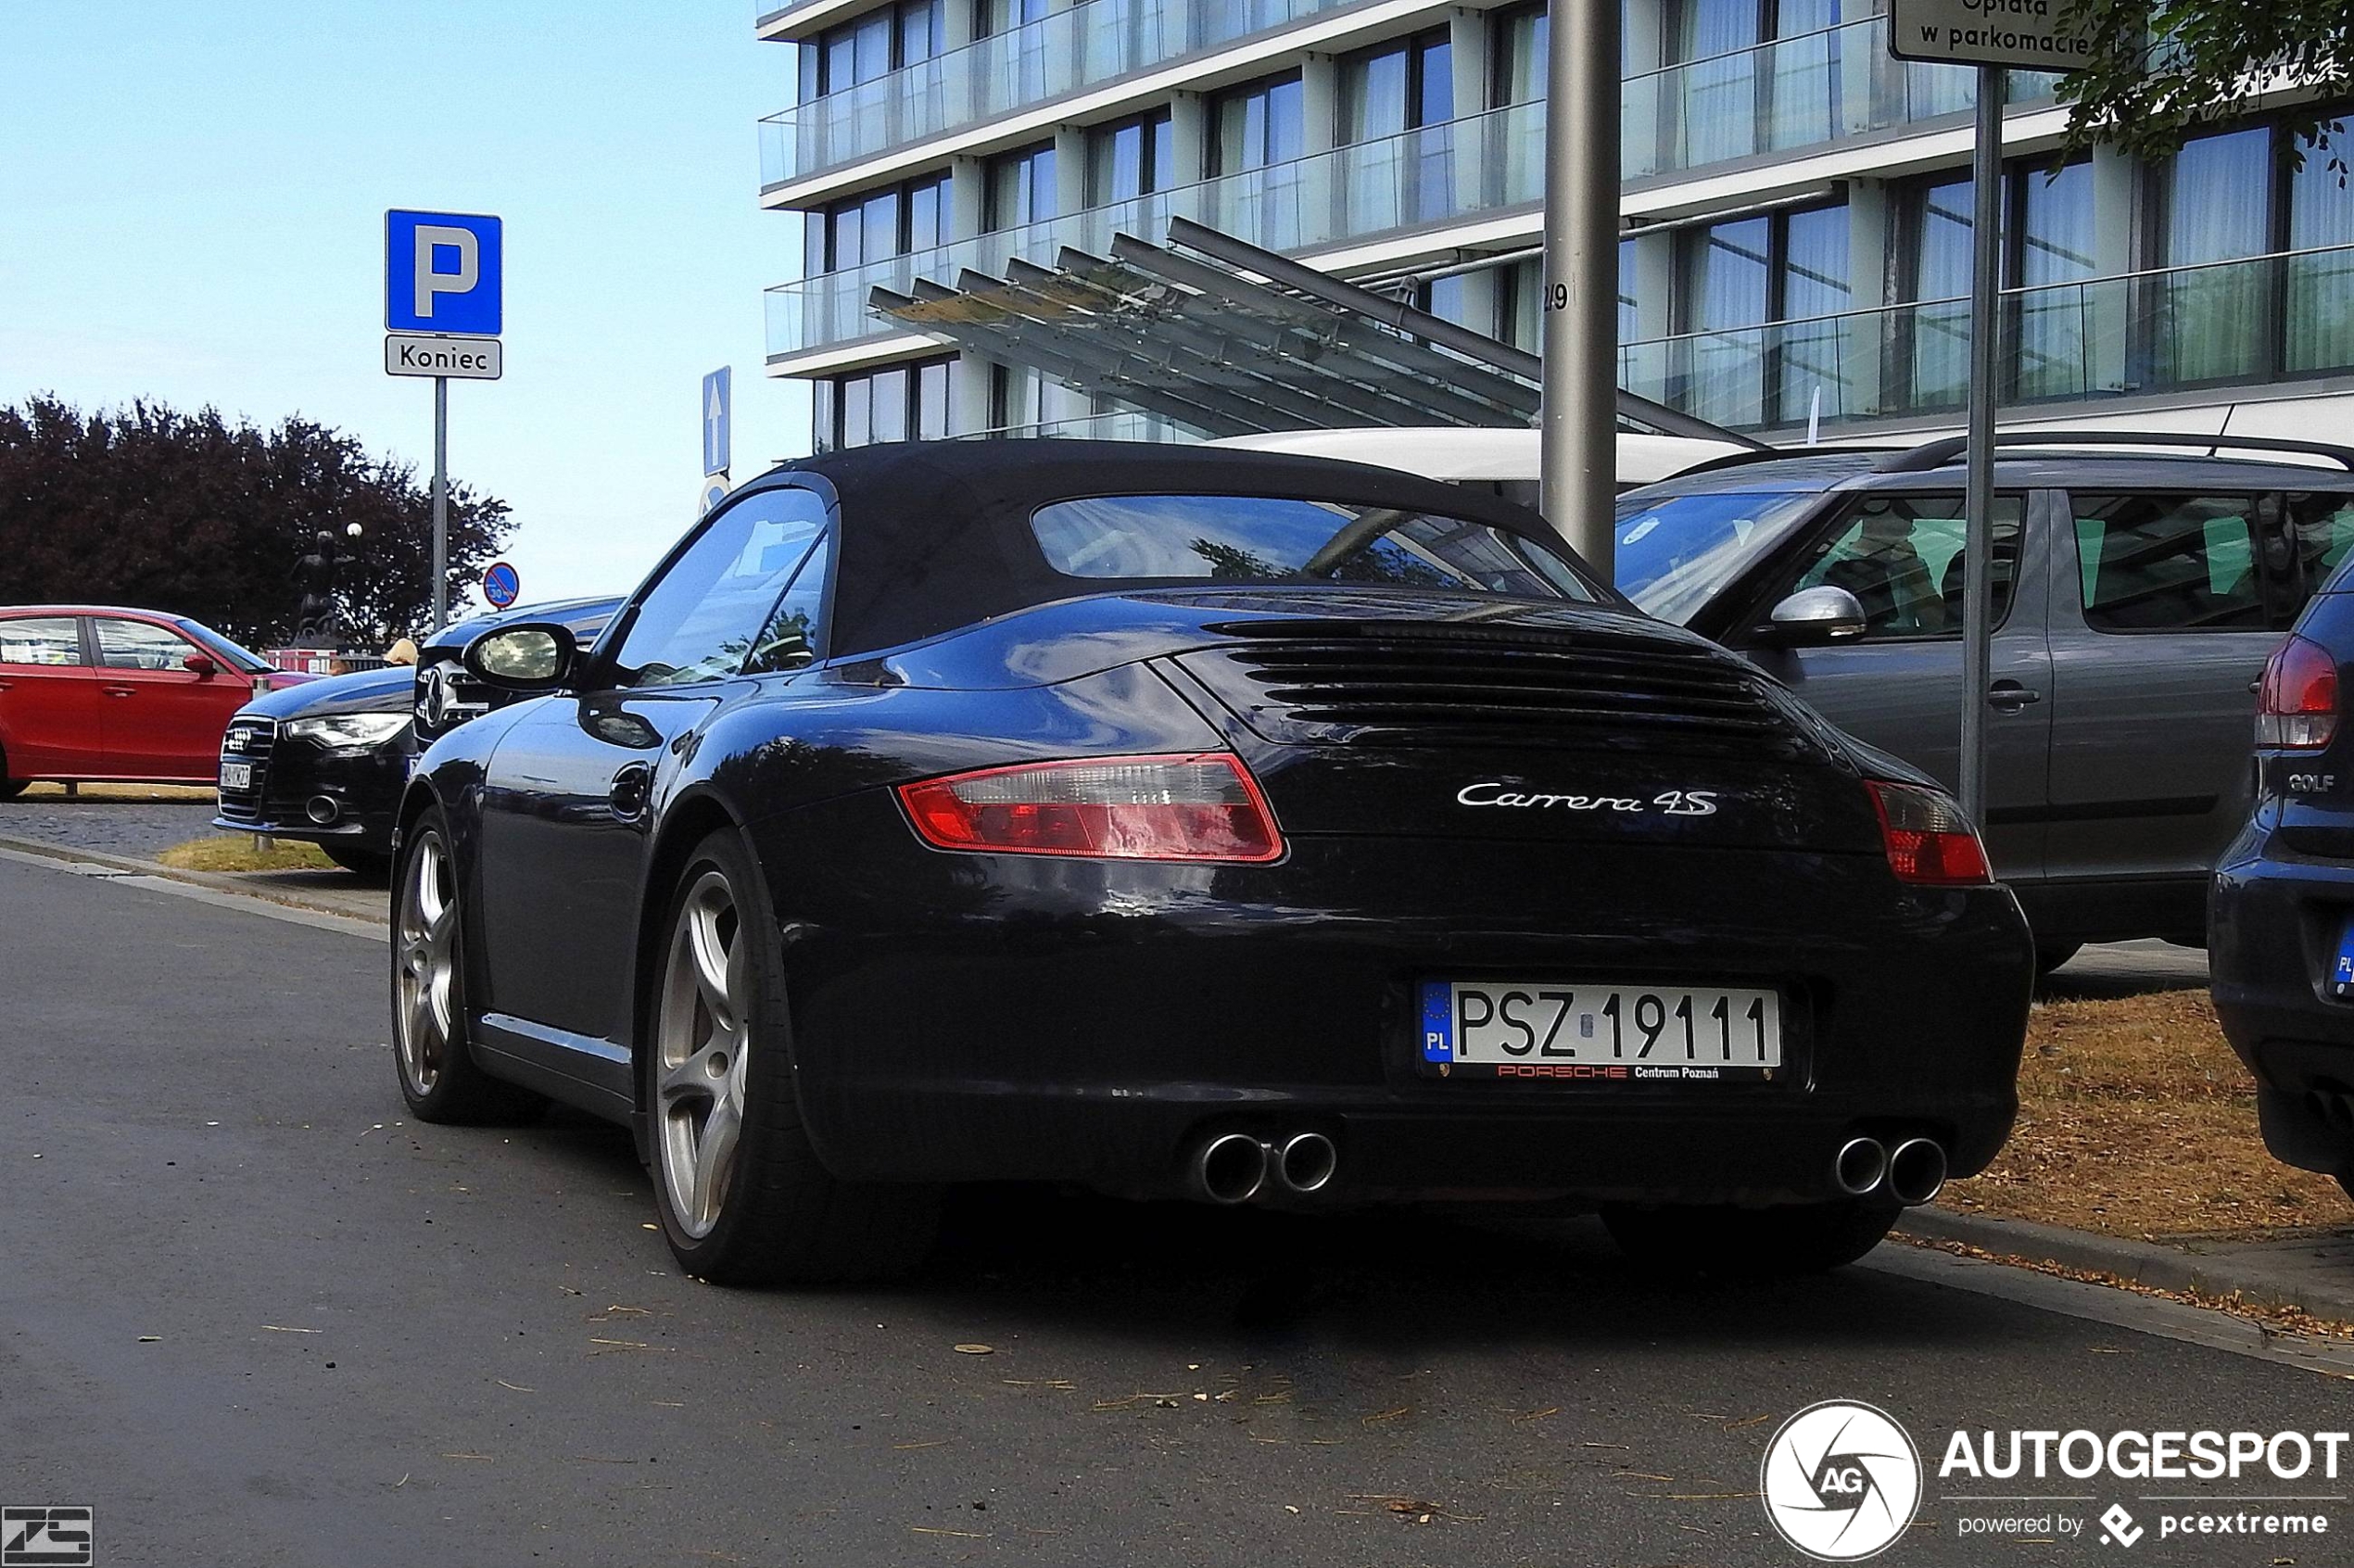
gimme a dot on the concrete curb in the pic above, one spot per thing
(217, 881)
(2264, 1273)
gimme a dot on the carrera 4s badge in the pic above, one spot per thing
(1671, 803)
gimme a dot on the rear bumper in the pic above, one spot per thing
(2274, 920)
(1095, 1021)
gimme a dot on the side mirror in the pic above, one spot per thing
(535, 656)
(1814, 616)
(202, 665)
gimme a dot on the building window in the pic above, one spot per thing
(1131, 158)
(1731, 97)
(1021, 188)
(991, 17)
(1021, 399)
(1393, 178)
(1523, 34)
(895, 403)
(1738, 283)
(1259, 124)
(886, 40)
(2318, 291)
(895, 220)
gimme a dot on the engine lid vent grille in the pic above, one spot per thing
(1435, 685)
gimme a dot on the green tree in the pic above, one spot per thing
(153, 508)
(2160, 69)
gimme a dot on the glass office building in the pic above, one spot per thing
(1798, 207)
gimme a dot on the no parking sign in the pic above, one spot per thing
(499, 585)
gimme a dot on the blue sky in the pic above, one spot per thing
(192, 203)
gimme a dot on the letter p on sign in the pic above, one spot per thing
(443, 273)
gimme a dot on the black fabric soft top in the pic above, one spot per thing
(936, 535)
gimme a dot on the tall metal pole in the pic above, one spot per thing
(1977, 503)
(440, 501)
(1578, 460)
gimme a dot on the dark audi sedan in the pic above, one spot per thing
(327, 762)
(1249, 827)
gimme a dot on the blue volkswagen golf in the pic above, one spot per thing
(2281, 919)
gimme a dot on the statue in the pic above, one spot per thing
(316, 622)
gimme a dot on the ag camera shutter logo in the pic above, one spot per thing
(1841, 1481)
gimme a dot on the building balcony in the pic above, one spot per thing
(1816, 91)
(1787, 96)
(2222, 324)
(1087, 45)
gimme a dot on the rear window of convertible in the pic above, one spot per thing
(1277, 539)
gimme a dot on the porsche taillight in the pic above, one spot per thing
(1200, 807)
(1929, 842)
(2297, 702)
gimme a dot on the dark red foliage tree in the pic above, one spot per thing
(150, 507)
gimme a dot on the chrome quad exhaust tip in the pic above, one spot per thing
(1230, 1169)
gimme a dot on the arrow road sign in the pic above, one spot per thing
(443, 273)
(717, 415)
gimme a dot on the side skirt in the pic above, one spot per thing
(593, 1075)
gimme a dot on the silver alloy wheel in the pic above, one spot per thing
(700, 1048)
(428, 939)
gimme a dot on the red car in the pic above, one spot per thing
(88, 692)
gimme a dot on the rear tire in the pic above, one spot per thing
(374, 865)
(742, 1195)
(1749, 1243)
(2345, 1180)
(439, 1075)
(11, 788)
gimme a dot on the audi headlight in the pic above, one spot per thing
(346, 732)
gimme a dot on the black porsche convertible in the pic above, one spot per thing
(1244, 827)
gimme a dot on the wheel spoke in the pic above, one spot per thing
(715, 1159)
(700, 1076)
(713, 963)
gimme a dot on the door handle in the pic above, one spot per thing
(630, 787)
(2010, 697)
(122, 691)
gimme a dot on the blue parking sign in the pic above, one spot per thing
(443, 273)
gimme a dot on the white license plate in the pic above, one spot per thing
(236, 776)
(1600, 1033)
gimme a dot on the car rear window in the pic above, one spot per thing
(40, 639)
(1675, 552)
(1167, 538)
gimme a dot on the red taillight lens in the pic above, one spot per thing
(1928, 838)
(2297, 706)
(1196, 808)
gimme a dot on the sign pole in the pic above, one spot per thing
(1578, 446)
(1985, 366)
(440, 501)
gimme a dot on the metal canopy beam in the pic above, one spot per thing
(1474, 395)
(1641, 411)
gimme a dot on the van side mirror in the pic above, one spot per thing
(1812, 617)
(528, 658)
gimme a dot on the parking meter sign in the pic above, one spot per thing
(500, 585)
(444, 273)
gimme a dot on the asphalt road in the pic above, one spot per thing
(251, 1316)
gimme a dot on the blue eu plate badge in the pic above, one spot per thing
(2342, 971)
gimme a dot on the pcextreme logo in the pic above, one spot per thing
(1841, 1481)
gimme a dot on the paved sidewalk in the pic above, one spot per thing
(142, 828)
(2311, 1271)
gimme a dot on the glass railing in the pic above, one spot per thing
(1433, 175)
(1793, 94)
(1083, 46)
(2261, 319)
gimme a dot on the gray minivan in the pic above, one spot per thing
(2138, 595)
